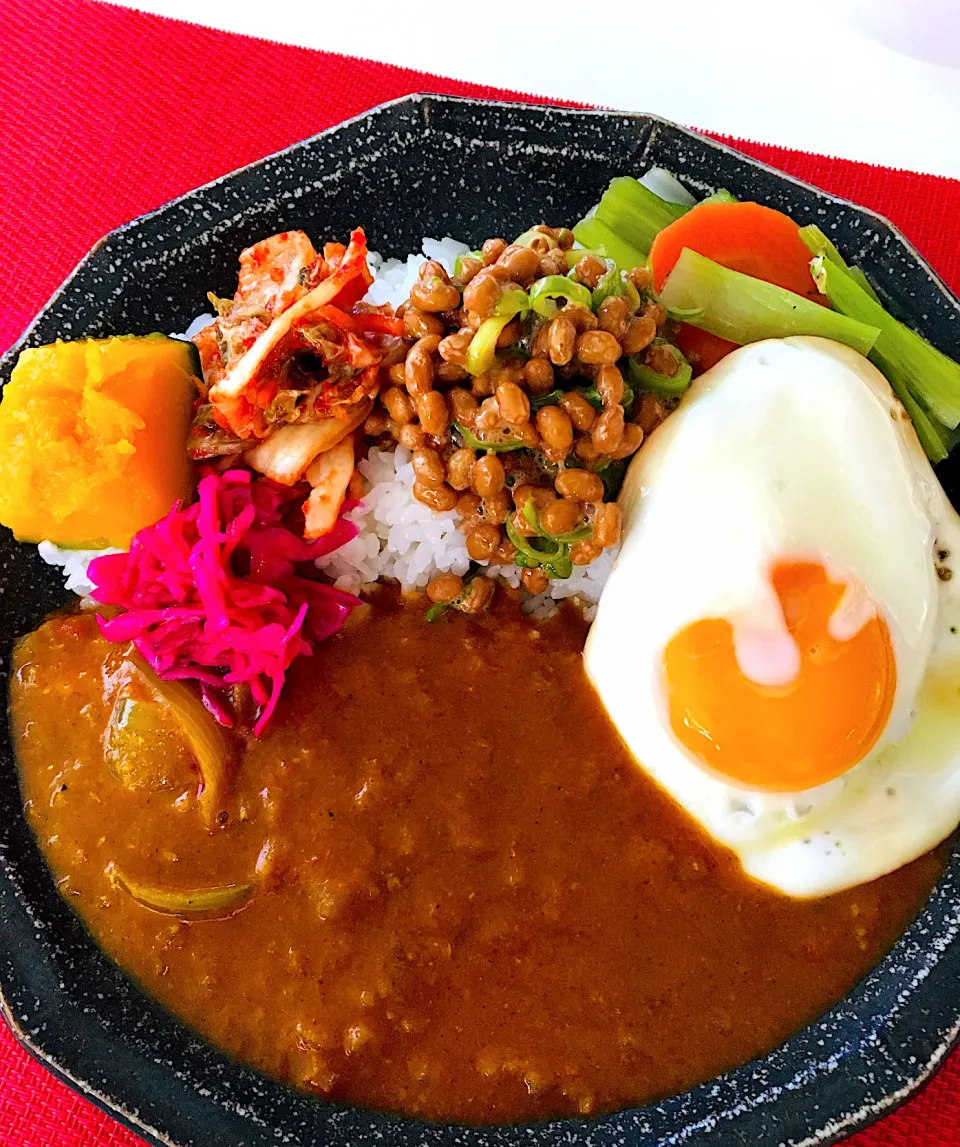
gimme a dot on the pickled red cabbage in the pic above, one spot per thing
(212, 593)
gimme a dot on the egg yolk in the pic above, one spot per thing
(784, 737)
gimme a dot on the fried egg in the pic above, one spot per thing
(777, 643)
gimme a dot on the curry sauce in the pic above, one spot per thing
(468, 902)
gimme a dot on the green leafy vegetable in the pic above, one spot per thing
(935, 438)
(635, 213)
(902, 354)
(745, 310)
(864, 283)
(665, 385)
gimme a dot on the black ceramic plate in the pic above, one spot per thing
(430, 165)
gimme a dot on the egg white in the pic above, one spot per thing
(791, 448)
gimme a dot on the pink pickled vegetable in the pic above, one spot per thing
(211, 593)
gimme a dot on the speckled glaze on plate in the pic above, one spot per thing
(432, 165)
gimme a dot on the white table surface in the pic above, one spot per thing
(799, 74)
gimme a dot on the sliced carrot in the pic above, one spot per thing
(745, 237)
(700, 348)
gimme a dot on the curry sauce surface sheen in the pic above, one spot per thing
(471, 905)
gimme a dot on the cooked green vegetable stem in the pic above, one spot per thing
(745, 310)
(635, 213)
(818, 244)
(604, 241)
(932, 378)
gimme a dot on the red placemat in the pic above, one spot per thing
(105, 114)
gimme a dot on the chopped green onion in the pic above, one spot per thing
(598, 236)
(458, 262)
(635, 213)
(932, 378)
(544, 291)
(560, 569)
(482, 352)
(532, 553)
(513, 302)
(532, 517)
(611, 475)
(493, 441)
(528, 237)
(571, 536)
(615, 282)
(551, 398)
(745, 310)
(667, 386)
(462, 600)
(592, 395)
(181, 901)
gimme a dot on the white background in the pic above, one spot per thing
(814, 75)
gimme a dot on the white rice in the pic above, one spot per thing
(404, 540)
(393, 278)
(74, 564)
(399, 538)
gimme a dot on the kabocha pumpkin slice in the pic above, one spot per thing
(93, 438)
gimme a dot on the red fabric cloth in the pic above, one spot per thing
(105, 114)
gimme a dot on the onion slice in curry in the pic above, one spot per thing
(181, 901)
(203, 734)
